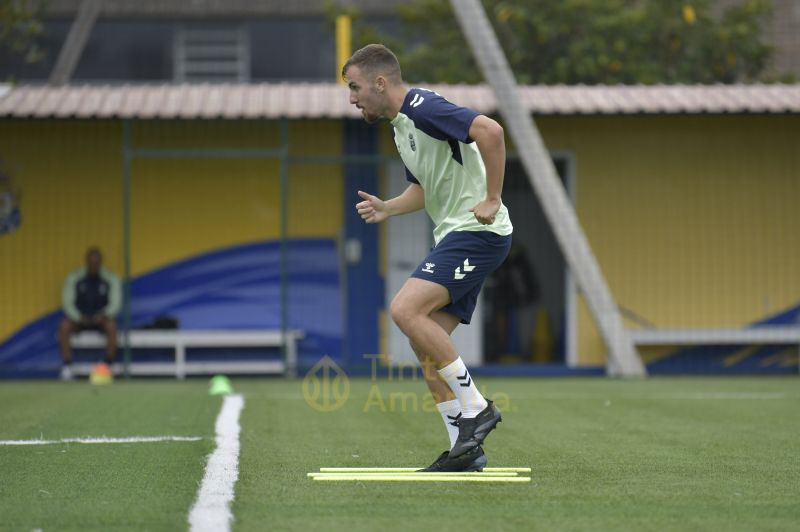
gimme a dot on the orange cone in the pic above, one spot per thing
(101, 374)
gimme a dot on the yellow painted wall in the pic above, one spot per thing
(182, 207)
(70, 177)
(692, 218)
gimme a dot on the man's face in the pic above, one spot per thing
(364, 94)
(93, 262)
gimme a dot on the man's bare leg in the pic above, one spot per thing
(447, 405)
(412, 310)
(446, 402)
(440, 391)
(65, 329)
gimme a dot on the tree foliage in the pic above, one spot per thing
(19, 28)
(588, 41)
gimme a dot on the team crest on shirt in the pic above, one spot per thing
(411, 141)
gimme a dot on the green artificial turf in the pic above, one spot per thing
(130, 486)
(659, 454)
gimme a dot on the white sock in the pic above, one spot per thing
(458, 378)
(450, 411)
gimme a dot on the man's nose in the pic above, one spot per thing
(353, 99)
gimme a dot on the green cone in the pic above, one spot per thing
(220, 385)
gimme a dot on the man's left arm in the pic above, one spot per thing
(488, 135)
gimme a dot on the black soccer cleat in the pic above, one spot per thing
(474, 460)
(472, 431)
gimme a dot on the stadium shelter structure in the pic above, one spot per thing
(230, 207)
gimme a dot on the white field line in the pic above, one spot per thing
(135, 439)
(211, 511)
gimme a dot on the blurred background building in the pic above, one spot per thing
(265, 40)
(687, 193)
(190, 41)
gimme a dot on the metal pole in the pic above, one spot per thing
(126, 244)
(623, 359)
(75, 42)
(289, 364)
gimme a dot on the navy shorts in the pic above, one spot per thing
(460, 262)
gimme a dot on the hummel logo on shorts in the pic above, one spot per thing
(428, 267)
(467, 269)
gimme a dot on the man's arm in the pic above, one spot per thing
(488, 135)
(68, 298)
(374, 209)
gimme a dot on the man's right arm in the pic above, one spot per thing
(68, 298)
(411, 200)
(374, 209)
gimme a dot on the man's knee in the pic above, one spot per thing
(403, 313)
(109, 325)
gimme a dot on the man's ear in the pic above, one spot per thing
(380, 83)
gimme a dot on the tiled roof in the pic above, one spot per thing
(330, 100)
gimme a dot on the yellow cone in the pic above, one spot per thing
(101, 374)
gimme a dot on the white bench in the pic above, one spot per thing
(180, 340)
(764, 334)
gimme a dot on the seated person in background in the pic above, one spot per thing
(91, 299)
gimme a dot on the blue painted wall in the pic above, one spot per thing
(233, 288)
(365, 292)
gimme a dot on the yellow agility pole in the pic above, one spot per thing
(434, 473)
(422, 477)
(413, 470)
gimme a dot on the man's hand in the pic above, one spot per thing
(489, 137)
(373, 209)
(486, 210)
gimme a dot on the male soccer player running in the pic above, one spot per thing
(455, 162)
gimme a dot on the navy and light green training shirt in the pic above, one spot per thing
(432, 136)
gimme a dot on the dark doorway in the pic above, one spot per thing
(525, 312)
